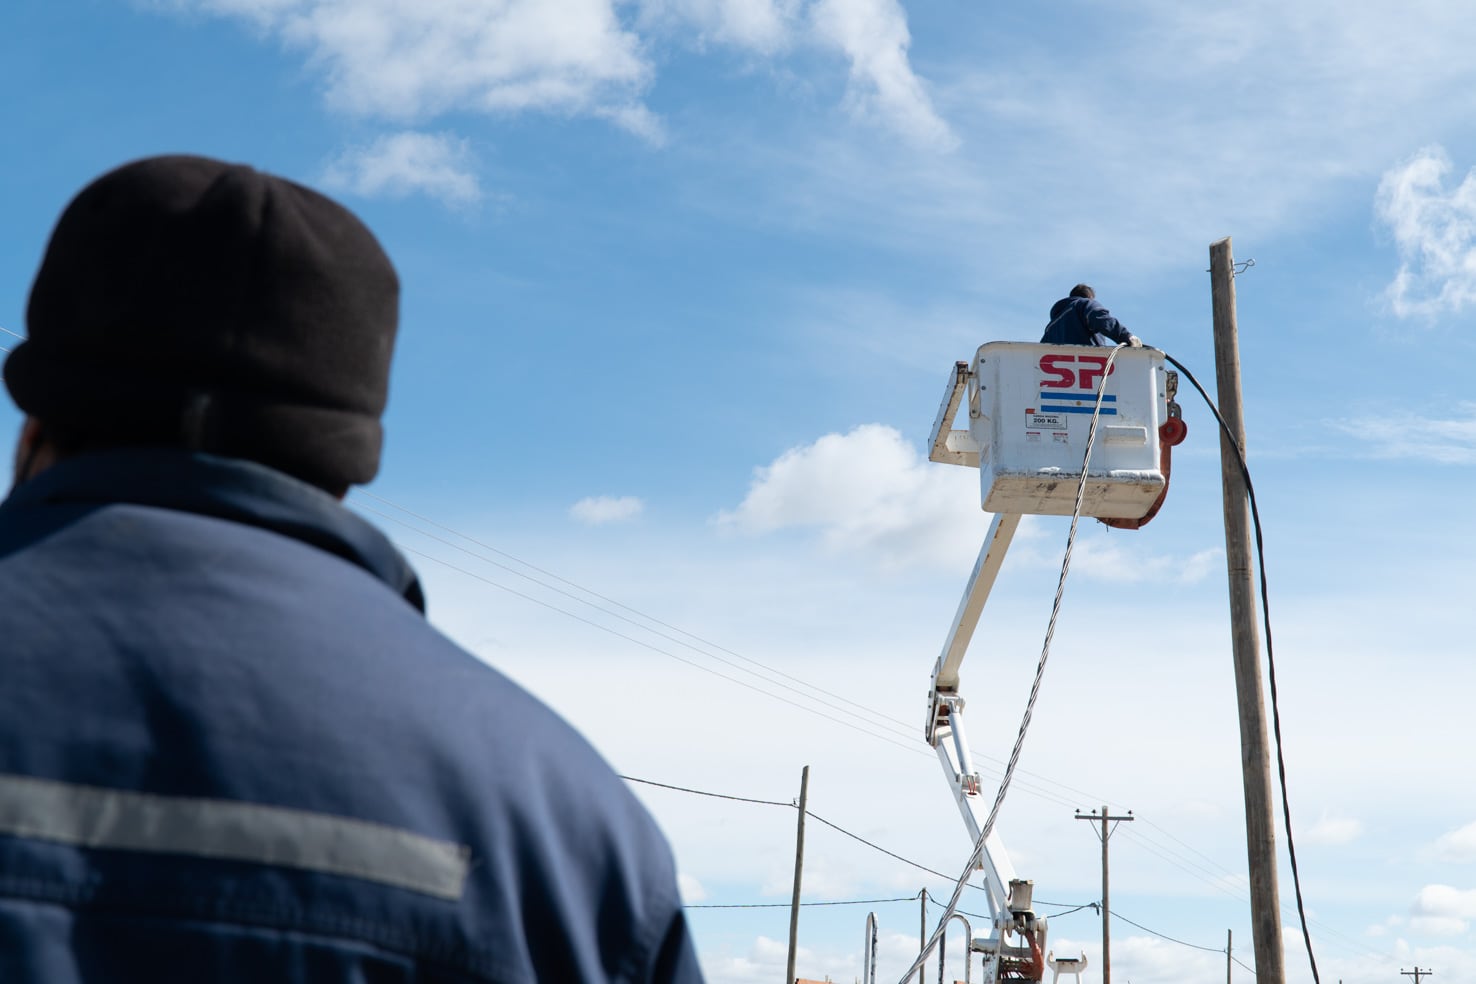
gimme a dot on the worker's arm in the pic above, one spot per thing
(1099, 321)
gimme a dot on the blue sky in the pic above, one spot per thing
(683, 281)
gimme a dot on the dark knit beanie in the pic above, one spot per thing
(190, 302)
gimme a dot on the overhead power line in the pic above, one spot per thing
(703, 792)
(665, 652)
(855, 723)
(807, 690)
(1165, 936)
(809, 813)
(872, 719)
(891, 724)
(786, 905)
(809, 687)
(907, 742)
(877, 847)
(806, 693)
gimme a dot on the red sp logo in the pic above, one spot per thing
(1073, 371)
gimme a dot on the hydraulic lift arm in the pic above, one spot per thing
(1009, 897)
(1033, 412)
(945, 732)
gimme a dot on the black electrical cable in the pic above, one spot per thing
(910, 747)
(880, 716)
(1291, 849)
(813, 816)
(786, 905)
(878, 847)
(1192, 946)
(806, 692)
(703, 792)
(1070, 910)
(1096, 907)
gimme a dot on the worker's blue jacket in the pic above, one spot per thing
(1079, 320)
(232, 749)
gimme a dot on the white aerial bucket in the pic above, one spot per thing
(1029, 411)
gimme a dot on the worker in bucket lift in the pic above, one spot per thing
(1080, 319)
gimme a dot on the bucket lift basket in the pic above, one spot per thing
(1029, 411)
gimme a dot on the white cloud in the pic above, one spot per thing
(637, 119)
(400, 164)
(1334, 831)
(762, 25)
(406, 62)
(874, 36)
(1435, 231)
(1146, 960)
(261, 13)
(600, 509)
(1449, 441)
(1104, 558)
(1438, 908)
(1321, 106)
(691, 889)
(1438, 925)
(766, 961)
(868, 490)
(410, 61)
(1458, 846)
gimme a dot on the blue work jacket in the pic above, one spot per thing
(1079, 321)
(232, 749)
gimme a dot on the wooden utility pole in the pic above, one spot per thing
(1104, 834)
(1255, 761)
(1417, 973)
(799, 864)
(922, 932)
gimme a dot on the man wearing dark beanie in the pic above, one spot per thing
(232, 748)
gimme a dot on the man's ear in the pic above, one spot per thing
(32, 455)
(31, 431)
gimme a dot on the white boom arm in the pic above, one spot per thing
(1009, 897)
(945, 725)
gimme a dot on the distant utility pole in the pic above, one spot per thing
(1230, 935)
(1417, 973)
(922, 930)
(1255, 758)
(799, 864)
(1103, 835)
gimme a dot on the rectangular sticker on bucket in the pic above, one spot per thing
(1045, 421)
